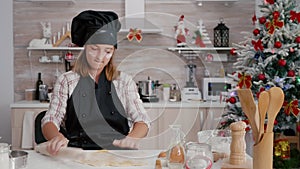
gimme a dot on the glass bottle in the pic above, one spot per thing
(198, 156)
(37, 86)
(176, 152)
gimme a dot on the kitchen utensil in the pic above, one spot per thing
(276, 101)
(18, 159)
(263, 105)
(249, 108)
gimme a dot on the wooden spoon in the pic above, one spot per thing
(276, 101)
(249, 108)
(263, 105)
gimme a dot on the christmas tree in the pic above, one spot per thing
(269, 56)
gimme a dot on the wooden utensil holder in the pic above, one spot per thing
(263, 152)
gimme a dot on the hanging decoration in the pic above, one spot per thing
(275, 23)
(291, 107)
(257, 45)
(135, 34)
(245, 80)
(282, 148)
(295, 16)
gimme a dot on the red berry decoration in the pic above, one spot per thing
(277, 44)
(261, 76)
(275, 122)
(291, 73)
(262, 20)
(281, 62)
(256, 32)
(297, 40)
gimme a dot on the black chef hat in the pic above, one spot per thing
(95, 27)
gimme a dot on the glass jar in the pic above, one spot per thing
(4, 156)
(176, 152)
(198, 156)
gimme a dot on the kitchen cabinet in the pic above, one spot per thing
(17, 118)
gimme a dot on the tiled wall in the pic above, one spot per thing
(148, 58)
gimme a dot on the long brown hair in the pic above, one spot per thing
(81, 66)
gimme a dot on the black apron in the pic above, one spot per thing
(95, 116)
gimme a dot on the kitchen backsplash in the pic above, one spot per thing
(150, 57)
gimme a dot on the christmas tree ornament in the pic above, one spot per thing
(254, 19)
(261, 76)
(292, 50)
(256, 32)
(256, 56)
(257, 45)
(297, 39)
(232, 100)
(244, 80)
(276, 14)
(291, 73)
(282, 148)
(135, 34)
(275, 23)
(295, 16)
(281, 62)
(262, 20)
(277, 44)
(270, 1)
(291, 107)
(232, 51)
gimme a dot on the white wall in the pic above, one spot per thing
(6, 68)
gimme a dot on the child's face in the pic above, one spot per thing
(98, 55)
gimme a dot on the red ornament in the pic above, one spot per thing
(256, 32)
(232, 100)
(276, 14)
(254, 19)
(281, 62)
(298, 128)
(297, 40)
(270, 1)
(275, 122)
(291, 73)
(277, 44)
(295, 16)
(262, 20)
(261, 76)
(232, 51)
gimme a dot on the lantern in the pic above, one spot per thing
(221, 35)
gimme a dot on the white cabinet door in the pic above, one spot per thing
(213, 117)
(151, 140)
(188, 118)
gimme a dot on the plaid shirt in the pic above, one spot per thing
(126, 91)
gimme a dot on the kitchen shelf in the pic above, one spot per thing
(199, 49)
(54, 48)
